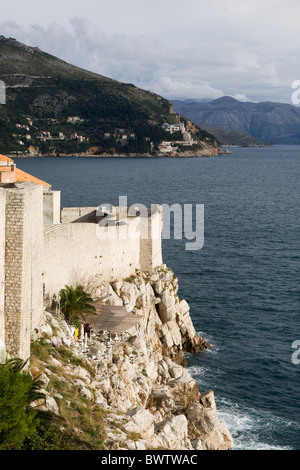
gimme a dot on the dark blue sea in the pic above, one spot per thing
(242, 286)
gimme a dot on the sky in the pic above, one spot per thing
(191, 49)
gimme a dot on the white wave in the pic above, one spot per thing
(214, 347)
(198, 372)
(248, 426)
(251, 429)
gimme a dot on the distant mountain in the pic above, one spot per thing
(273, 123)
(55, 108)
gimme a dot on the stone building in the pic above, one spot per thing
(44, 246)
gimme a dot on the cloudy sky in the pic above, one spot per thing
(180, 49)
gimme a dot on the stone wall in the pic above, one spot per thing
(78, 214)
(22, 293)
(2, 276)
(79, 248)
(39, 258)
(74, 251)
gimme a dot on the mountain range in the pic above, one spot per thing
(272, 123)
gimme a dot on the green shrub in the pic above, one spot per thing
(53, 438)
(41, 350)
(130, 279)
(133, 436)
(18, 389)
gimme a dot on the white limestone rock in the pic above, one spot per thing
(166, 308)
(66, 341)
(46, 330)
(207, 399)
(144, 421)
(56, 342)
(195, 412)
(47, 403)
(44, 379)
(173, 433)
(82, 373)
(83, 390)
(55, 362)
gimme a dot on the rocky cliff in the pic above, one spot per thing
(138, 379)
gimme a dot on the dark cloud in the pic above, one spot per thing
(222, 52)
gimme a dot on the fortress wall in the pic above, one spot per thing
(23, 296)
(18, 268)
(75, 250)
(78, 214)
(2, 272)
(34, 256)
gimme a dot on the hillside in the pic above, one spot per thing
(273, 123)
(55, 108)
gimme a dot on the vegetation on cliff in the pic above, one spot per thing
(25, 426)
(18, 418)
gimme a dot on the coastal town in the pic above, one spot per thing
(29, 137)
(171, 146)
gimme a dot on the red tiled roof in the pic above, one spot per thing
(23, 176)
(5, 159)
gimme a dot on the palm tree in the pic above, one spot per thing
(75, 302)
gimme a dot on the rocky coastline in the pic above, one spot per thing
(140, 379)
(206, 150)
(187, 154)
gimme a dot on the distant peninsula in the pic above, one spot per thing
(56, 109)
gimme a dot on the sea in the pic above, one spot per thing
(242, 285)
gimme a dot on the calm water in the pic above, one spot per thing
(242, 287)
